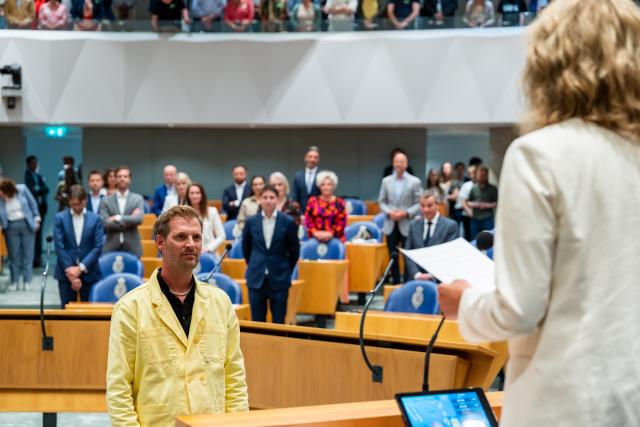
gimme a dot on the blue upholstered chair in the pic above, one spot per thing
(379, 220)
(354, 230)
(206, 264)
(313, 250)
(120, 262)
(415, 296)
(227, 284)
(355, 207)
(236, 250)
(228, 228)
(113, 287)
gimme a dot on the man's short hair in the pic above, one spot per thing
(123, 167)
(239, 166)
(312, 148)
(95, 172)
(162, 227)
(271, 188)
(484, 168)
(458, 164)
(429, 193)
(30, 158)
(77, 192)
(475, 161)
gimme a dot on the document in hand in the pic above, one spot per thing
(455, 260)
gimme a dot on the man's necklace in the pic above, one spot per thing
(181, 294)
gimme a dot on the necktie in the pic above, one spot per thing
(428, 235)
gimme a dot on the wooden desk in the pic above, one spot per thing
(149, 249)
(149, 264)
(422, 326)
(234, 268)
(323, 281)
(373, 208)
(365, 263)
(216, 203)
(357, 218)
(381, 413)
(149, 219)
(146, 232)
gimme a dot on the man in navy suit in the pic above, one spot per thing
(233, 195)
(96, 185)
(271, 248)
(304, 182)
(169, 174)
(78, 239)
(430, 230)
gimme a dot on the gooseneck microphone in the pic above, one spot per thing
(376, 370)
(427, 356)
(222, 257)
(47, 341)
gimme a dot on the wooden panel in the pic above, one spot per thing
(357, 218)
(149, 219)
(15, 400)
(221, 248)
(293, 303)
(421, 326)
(388, 289)
(149, 249)
(319, 372)
(323, 282)
(3, 246)
(149, 264)
(373, 208)
(381, 413)
(216, 203)
(365, 261)
(146, 232)
(234, 268)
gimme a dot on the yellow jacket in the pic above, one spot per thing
(155, 373)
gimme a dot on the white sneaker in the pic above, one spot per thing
(14, 286)
(27, 286)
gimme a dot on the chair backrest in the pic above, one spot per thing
(236, 250)
(379, 220)
(206, 264)
(303, 235)
(415, 296)
(312, 249)
(227, 284)
(363, 230)
(355, 207)
(228, 228)
(113, 287)
(120, 262)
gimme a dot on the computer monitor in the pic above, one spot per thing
(447, 408)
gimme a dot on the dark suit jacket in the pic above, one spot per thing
(281, 257)
(299, 193)
(90, 204)
(431, 7)
(31, 180)
(229, 195)
(69, 253)
(446, 231)
(158, 199)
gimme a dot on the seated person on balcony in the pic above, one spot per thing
(403, 13)
(238, 15)
(207, 15)
(341, 14)
(273, 15)
(19, 14)
(166, 15)
(306, 16)
(479, 13)
(440, 11)
(53, 15)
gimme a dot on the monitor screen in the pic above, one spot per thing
(461, 409)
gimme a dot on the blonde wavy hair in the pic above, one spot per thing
(584, 61)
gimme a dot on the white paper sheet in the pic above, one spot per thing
(455, 260)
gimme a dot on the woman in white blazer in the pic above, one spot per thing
(567, 253)
(213, 235)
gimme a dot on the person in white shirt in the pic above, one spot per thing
(213, 235)
(167, 188)
(461, 202)
(341, 14)
(566, 245)
(96, 194)
(179, 195)
(78, 237)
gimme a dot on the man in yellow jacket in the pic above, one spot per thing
(174, 346)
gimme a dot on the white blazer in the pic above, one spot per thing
(567, 259)
(213, 234)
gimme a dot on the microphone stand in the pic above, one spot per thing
(222, 257)
(376, 370)
(47, 341)
(427, 356)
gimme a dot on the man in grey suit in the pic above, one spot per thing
(430, 230)
(121, 213)
(399, 200)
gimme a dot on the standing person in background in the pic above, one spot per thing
(388, 170)
(37, 185)
(446, 179)
(68, 162)
(452, 196)
(284, 203)
(239, 14)
(479, 13)
(179, 196)
(326, 214)
(483, 200)
(78, 237)
(53, 15)
(234, 194)
(399, 200)
(433, 184)
(168, 187)
(304, 182)
(440, 11)
(64, 186)
(110, 181)
(213, 235)
(207, 15)
(340, 14)
(566, 258)
(403, 13)
(271, 248)
(20, 14)
(462, 202)
(251, 205)
(121, 214)
(95, 194)
(19, 219)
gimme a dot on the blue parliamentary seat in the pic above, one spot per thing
(236, 250)
(379, 220)
(114, 287)
(206, 265)
(120, 262)
(415, 296)
(227, 284)
(228, 228)
(366, 230)
(355, 207)
(313, 250)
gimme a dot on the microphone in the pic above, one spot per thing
(484, 241)
(222, 257)
(427, 356)
(47, 341)
(376, 370)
